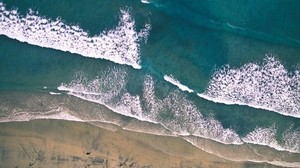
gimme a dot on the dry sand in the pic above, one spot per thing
(57, 143)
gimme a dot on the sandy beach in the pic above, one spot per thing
(149, 84)
(57, 143)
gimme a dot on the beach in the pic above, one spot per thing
(43, 130)
(149, 83)
(58, 143)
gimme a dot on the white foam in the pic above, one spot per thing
(291, 139)
(145, 1)
(187, 120)
(109, 89)
(62, 115)
(193, 123)
(54, 93)
(266, 86)
(284, 164)
(57, 113)
(267, 137)
(175, 82)
(228, 102)
(174, 112)
(244, 157)
(263, 136)
(120, 45)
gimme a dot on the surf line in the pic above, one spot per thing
(172, 80)
(120, 45)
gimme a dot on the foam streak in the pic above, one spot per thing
(175, 82)
(174, 112)
(120, 45)
(267, 137)
(266, 86)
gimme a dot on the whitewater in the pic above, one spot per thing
(119, 45)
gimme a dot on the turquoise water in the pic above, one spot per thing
(224, 71)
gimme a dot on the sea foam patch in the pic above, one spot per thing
(181, 116)
(120, 45)
(174, 112)
(268, 86)
(58, 113)
(267, 137)
(175, 82)
(108, 89)
(145, 1)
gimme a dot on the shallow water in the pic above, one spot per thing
(211, 70)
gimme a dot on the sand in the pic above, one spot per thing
(58, 143)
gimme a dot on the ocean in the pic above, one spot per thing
(222, 75)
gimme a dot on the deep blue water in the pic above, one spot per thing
(227, 71)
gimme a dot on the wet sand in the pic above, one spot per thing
(58, 143)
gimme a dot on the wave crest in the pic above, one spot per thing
(175, 111)
(120, 45)
(267, 86)
(175, 82)
(267, 137)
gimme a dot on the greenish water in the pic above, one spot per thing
(240, 61)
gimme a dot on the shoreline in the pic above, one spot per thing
(60, 143)
(19, 108)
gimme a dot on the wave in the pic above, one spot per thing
(108, 89)
(64, 107)
(249, 154)
(175, 82)
(57, 113)
(145, 1)
(266, 86)
(267, 137)
(182, 116)
(120, 45)
(54, 93)
(174, 112)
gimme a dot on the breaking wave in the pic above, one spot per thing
(267, 86)
(175, 112)
(175, 82)
(120, 45)
(267, 137)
